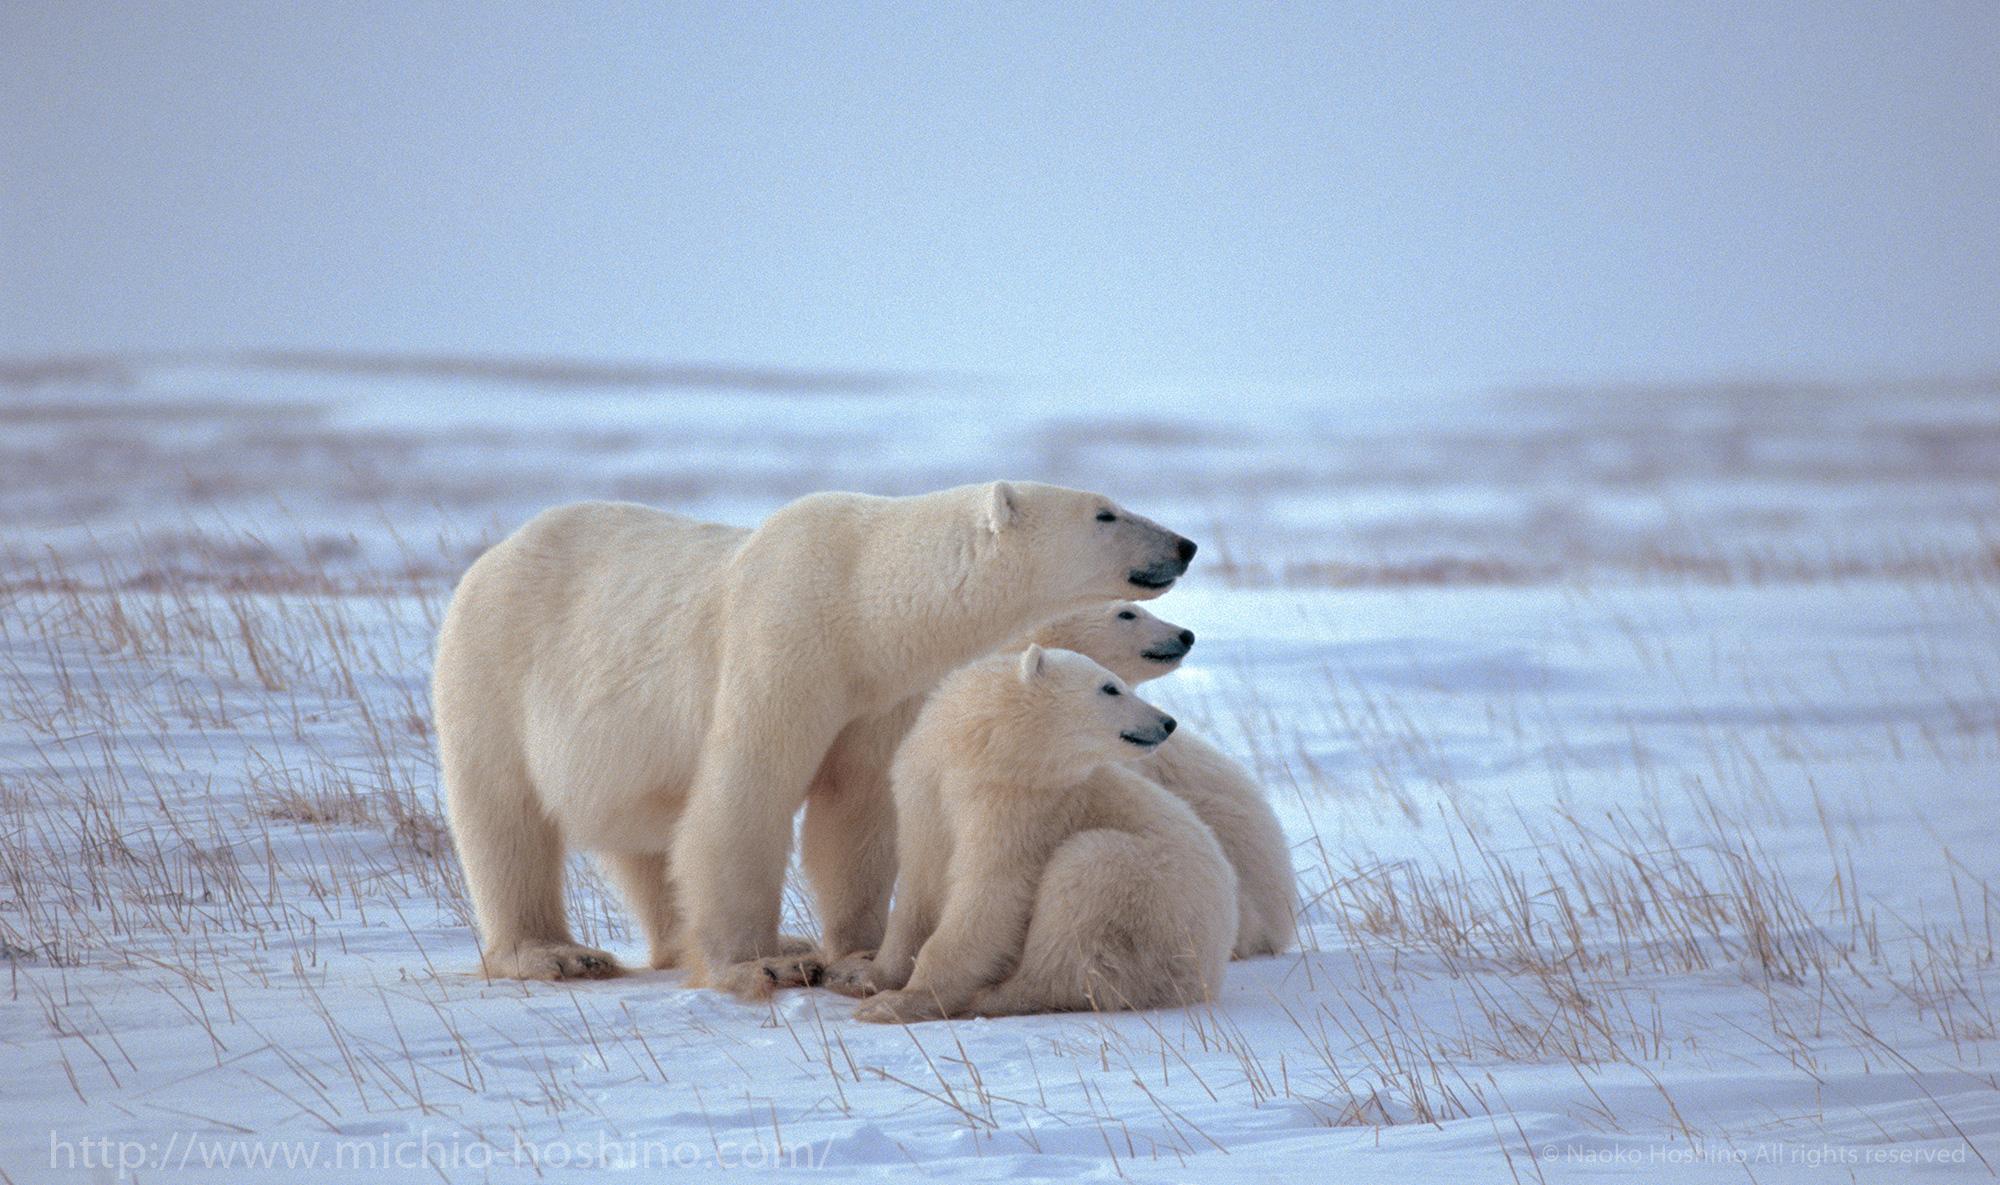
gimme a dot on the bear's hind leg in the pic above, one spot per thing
(1274, 899)
(1093, 944)
(1017, 996)
(849, 838)
(642, 880)
(512, 854)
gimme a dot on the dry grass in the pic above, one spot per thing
(223, 765)
(226, 773)
(219, 818)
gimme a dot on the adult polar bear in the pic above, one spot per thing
(667, 692)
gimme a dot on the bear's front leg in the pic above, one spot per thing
(976, 943)
(734, 844)
(900, 1008)
(854, 975)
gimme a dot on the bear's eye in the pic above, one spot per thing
(1128, 615)
(1109, 689)
(1105, 516)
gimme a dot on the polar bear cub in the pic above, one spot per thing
(1137, 646)
(1074, 883)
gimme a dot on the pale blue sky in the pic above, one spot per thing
(1410, 195)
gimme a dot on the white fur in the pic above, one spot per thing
(1073, 883)
(1221, 792)
(667, 692)
(1136, 646)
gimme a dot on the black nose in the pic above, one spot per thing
(1167, 725)
(1187, 550)
(1187, 637)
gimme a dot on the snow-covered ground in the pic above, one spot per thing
(1638, 749)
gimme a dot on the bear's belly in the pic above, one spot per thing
(639, 823)
(616, 783)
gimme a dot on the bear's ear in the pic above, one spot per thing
(1033, 659)
(999, 506)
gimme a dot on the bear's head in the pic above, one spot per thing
(1042, 719)
(1080, 714)
(1081, 546)
(1121, 637)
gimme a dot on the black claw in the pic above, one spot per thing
(815, 974)
(771, 974)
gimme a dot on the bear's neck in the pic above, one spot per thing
(927, 628)
(1005, 778)
(939, 638)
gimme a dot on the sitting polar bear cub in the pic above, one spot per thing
(1074, 883)
(1136, 646)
